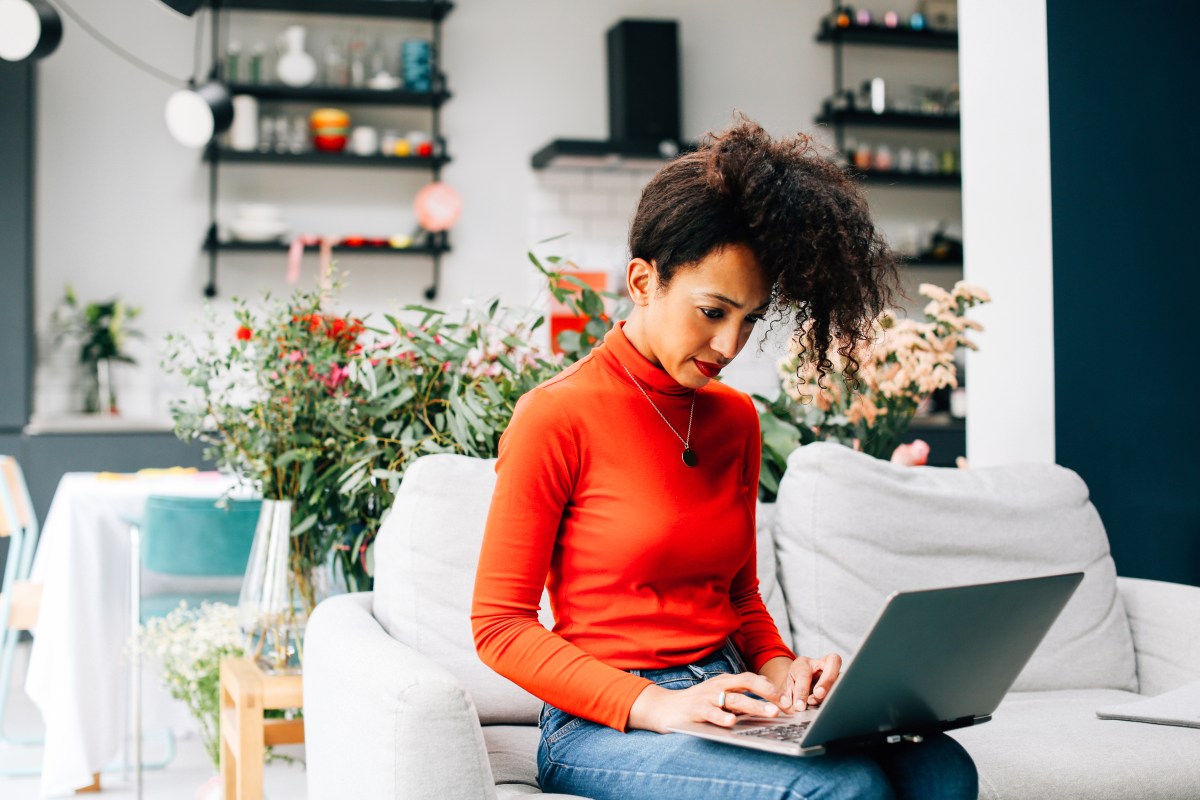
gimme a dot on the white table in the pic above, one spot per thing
(78, 666)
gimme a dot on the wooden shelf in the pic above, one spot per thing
(317, 157)
(890, 119)
(394, 9)
(340, 94)
(879, 36)
(281, 248)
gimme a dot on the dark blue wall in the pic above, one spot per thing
(1125, 178)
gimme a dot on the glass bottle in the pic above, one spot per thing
(335, 65)
(358, 64)
(232, 65)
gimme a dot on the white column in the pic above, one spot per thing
(1007, 228)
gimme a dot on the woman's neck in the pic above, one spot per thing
(635, 332)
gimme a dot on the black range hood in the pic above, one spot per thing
(609, 153)
(643, 103)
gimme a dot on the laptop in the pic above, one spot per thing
(934, 660)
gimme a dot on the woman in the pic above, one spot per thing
(626, 485)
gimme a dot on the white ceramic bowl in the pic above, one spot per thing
(264, 212)
(251, 230)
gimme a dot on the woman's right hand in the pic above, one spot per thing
(657, 708)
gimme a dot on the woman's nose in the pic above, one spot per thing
(727, 343)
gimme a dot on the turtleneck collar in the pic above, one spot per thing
(616, 349)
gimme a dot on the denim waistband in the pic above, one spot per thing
(727, 653)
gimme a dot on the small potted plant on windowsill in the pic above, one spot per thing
(102, 332)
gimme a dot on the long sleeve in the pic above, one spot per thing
(537, 467)
(757, 638)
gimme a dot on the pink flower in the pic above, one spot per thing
(295, 356)
(337, 374)
(911, 455)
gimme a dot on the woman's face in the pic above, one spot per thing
(705, 316)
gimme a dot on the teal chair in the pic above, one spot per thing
(19, 598)
(184, 537)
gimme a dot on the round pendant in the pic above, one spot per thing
(689, 457)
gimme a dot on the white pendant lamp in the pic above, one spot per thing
(28, 29)
(196, 114)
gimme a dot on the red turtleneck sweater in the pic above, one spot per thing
(649, 563)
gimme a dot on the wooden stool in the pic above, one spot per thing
(246, 691)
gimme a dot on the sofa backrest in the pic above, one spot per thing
(425, 560)
(850, 529)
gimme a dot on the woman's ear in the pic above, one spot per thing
(641, 280)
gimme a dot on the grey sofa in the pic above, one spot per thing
(398, 705)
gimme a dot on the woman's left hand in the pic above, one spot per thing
(796, 684)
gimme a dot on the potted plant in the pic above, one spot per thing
(102, 331)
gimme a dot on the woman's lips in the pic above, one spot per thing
(706, 369)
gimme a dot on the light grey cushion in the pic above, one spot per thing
(768, 579)
(1165, 621)
(851, 529)
(425, 560)
(382, 720)
(512, 750)
(1051, 744)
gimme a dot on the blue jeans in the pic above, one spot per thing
(581, 757)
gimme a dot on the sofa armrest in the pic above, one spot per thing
(382, 720)
(1165, 621)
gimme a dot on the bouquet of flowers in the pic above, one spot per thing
(265, 398)
(328, 410)
(189, 643)
(907, 363)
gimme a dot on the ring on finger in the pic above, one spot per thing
(721, 700)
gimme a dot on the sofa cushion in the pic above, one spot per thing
(851, 529)
(1051, 744)
(768, 578)
(425, 560)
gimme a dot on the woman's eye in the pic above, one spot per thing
(715, 314)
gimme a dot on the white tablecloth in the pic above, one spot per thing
(78, 667)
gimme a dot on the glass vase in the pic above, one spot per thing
(100, 396)
(275, 600)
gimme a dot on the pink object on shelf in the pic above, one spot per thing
(296, 251)
(437, 207)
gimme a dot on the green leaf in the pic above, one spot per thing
(290, 456)
(569, 341)
(580, 282)
(304, 525)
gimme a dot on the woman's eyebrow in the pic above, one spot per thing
(730, 301)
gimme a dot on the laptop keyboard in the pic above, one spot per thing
(786, 732)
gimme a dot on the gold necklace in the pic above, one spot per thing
(689, 457)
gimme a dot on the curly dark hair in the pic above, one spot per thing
(804, 218)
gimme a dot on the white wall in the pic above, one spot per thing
(1007, 229)
(122, 208)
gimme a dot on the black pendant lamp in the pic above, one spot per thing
(28, 29)
(185, 7)
(196, 114)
